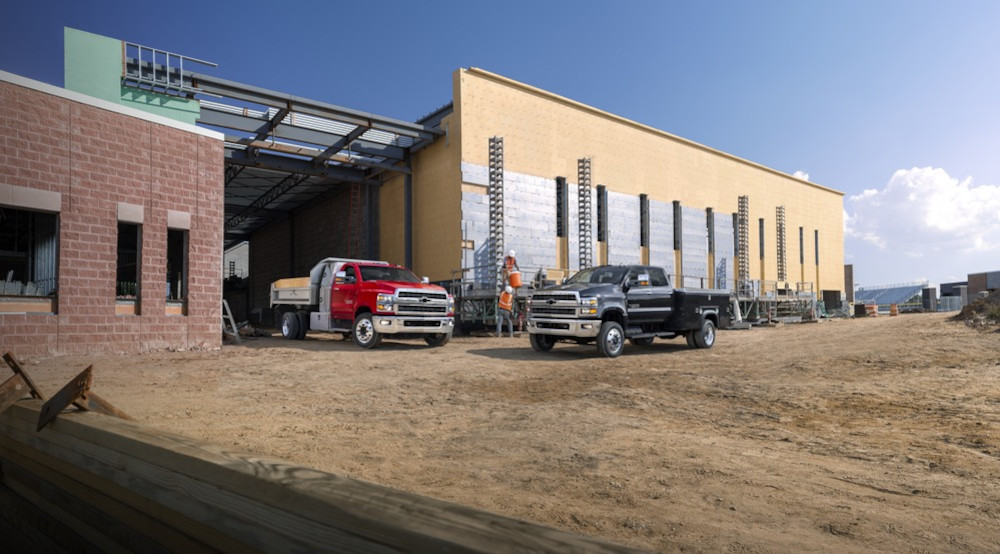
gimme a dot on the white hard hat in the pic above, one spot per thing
(511, 253)
(508, 289)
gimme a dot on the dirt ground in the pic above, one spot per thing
(847, 435)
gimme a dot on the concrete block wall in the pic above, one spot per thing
(95, 155)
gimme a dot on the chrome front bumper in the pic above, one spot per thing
(394, 324)
(581, 328)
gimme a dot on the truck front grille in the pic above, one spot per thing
(555, 304)
(421, 303)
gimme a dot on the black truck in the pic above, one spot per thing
(609, 304)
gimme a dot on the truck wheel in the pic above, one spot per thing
(611, 339)
(365, 334)
(303, 324)
(644, 341)
(437, 339)
(705, 337)
(541, 343)
(290, 325)
(690, 340)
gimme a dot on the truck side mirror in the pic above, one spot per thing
(341, 278)
(425, 279)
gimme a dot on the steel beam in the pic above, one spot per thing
(287, 164)
(227, 120)
(286, 184)
(222, 87)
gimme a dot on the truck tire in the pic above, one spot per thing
(303, 324)
(541, 343)
(437, 339)
(611, 339)
(290, 325)
(364, 333)
(704, 337)
(690, 340)
(644, 341)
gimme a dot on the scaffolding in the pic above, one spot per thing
(743, 246)
(496, 196)
(585, 213)
(782, 266)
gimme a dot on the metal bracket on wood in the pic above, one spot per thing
(18, 369)
(77, 392)
(11, 391)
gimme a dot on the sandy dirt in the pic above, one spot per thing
(847, 435)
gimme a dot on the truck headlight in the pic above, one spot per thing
(451, 305)
(588, 306)
(384, 302)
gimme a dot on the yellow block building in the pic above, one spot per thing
(655, 198)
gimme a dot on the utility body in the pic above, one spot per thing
(609, 304)
(363, 299)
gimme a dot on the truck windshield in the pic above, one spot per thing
(603, 274)
(387, 273)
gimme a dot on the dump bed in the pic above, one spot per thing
(296, 291)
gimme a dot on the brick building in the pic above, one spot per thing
(110, 226)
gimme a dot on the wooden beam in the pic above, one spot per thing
(261, 504)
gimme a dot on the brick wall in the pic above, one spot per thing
(96, 158)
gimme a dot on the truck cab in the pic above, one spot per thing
(363, 299)
(609, 304)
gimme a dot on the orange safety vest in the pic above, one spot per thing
(510, 264)
(506, 301)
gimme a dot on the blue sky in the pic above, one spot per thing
(895, 103)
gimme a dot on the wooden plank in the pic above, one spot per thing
(90, 524)
(307, 503)
(11, 391)
(26, 528)
(186, 504)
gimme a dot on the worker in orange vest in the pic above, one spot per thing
(510, 265)
(505, 308)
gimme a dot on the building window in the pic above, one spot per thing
(129, 260)
(28, 253)
(177, 265)
(602, 213)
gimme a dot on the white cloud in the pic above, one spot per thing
(923, 223)
(801, 175)
(923, 211)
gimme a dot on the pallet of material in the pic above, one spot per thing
(93, 483)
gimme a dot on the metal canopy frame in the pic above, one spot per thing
(283, 151)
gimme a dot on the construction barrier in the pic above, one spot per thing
(893, 309)
(871, 310)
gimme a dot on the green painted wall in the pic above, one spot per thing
(93, 66)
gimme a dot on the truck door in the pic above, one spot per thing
(661, 295)
(344, 293)
(639, 296)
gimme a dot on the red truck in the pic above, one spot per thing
(364, 299)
